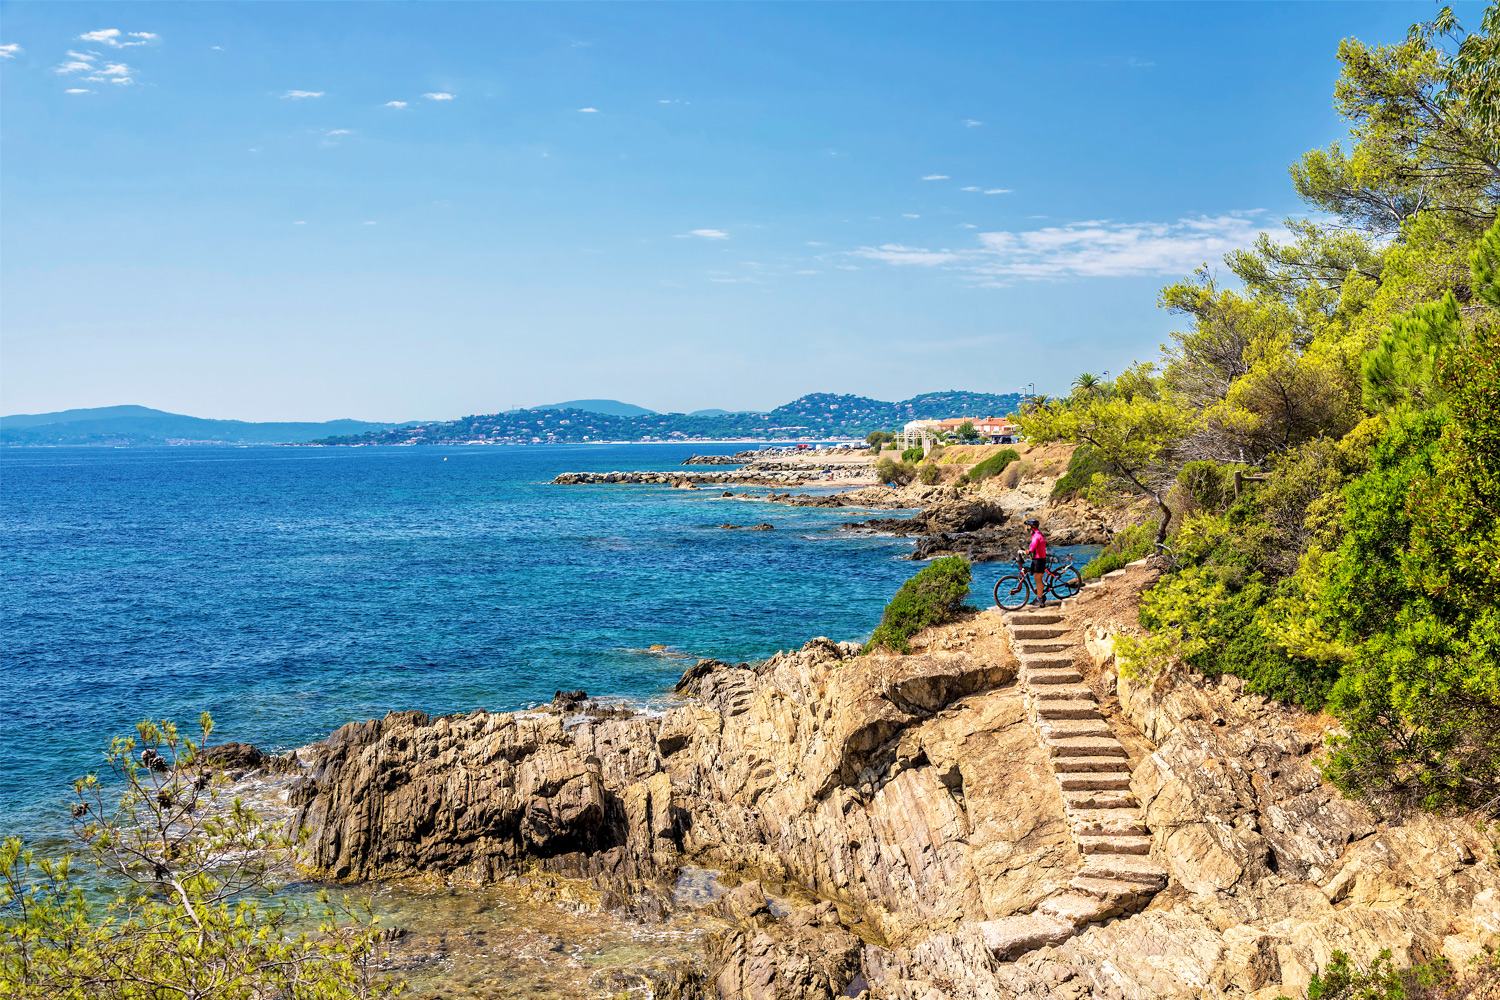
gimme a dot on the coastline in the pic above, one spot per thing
(897, 824)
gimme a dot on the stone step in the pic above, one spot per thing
(1024, 632)
(1033, 618)
(1044, 661)
(1052, 675)
(1091, 781)
(1126, 868)
(1088, 746)
(1010, 937)
(1115, 822)
(1126, 895)
(1095, 844)
(1079, 909)
(1070, 692)
(1070, 765)
(1067, 709)
(1098, 798)
(1054, 730)
(1032, 648)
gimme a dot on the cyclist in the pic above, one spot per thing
(1037, 550)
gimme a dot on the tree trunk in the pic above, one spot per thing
(1166, 520)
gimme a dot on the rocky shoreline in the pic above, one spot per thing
(916, 821)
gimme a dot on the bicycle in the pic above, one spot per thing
(1016, 590)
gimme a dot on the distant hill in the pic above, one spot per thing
(719, 413)
(608, 407)
(819, 415)
(140, 425)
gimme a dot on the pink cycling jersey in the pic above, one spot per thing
(1038, 546)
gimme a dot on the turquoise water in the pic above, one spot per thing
(289, 591)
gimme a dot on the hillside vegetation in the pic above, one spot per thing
(819, 414)
(1353, 374)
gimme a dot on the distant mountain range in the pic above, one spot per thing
(608, 407)
(819, 415)
(140, 425)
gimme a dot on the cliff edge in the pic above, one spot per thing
(920, 816)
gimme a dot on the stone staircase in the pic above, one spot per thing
(1093, 773)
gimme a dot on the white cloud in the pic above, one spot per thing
(935, 177)
(1091, 249)
(588, 111)
(971, 188)
(300, 222)
(108, 73)
(394, 104)
(710, 234)
(1135, 63)
(298, 95)
(77, 90)
(85, 56)
(997, 191)
(9, 51)
(970, 123)
(673, 101)
(967, 225)
(369, 223)
(113, 38)
(339, 131)
(809, 272)
(440, 95)
(815, 243)
(217, 48)
(896, 253)
(910, 215)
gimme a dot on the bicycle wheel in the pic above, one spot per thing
(1012, 592)
(1066, 583)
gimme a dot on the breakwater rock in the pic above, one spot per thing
(747, 476)
(738, 458)
(927, 817)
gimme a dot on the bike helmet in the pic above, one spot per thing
(1032, 522)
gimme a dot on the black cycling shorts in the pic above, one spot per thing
(1039, 565)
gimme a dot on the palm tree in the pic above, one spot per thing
(1088, 383)
(1035, 402)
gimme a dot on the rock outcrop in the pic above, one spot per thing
(946, 831)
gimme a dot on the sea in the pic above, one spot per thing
(290, 590)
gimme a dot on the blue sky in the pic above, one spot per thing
(392, 211)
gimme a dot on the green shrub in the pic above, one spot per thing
(178, 869)
(993, 466)
(1435, 980)
(1081, 469)
(895, 473)
(1217, 627)
(1208, 485)
(1126, 547)
(929, 475)
(912, 454)
(935, 454)
(932, 597)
